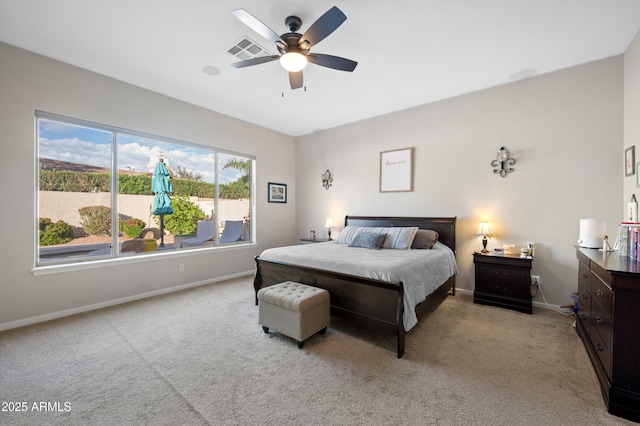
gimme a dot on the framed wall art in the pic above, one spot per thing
(630, 161)
(277, 192)
(396, 170)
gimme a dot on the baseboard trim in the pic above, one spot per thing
(542, 305)
(82, 309)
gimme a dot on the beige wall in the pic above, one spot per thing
(564, 129)
(30, 82)
(632, 112)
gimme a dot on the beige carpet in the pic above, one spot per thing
(199, 357)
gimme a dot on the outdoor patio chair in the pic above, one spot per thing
(205, 232)
(232, 231)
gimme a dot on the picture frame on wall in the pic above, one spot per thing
(277, 192)
(630, 161)
(396, 170)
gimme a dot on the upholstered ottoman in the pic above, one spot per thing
(295, 310)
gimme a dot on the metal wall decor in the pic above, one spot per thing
(503, 162)
(327, 179)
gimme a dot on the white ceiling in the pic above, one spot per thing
(409, 52)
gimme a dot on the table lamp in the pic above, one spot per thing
(485, 231)
(329, 225)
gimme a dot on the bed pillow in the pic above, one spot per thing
(369, 240)
(425, 239)
(399, 238)
(347, 235)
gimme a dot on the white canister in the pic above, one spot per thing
(592, 232)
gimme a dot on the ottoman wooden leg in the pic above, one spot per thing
(324, 330)
(300, 344)
(265, 329)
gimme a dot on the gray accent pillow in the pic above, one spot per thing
(425, 239)
(369, 240)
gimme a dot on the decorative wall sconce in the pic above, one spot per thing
(503, 162)
(327, 179)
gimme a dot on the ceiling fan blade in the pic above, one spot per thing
(295, 79)
(330, 61)
(255, 61)
(256, 25)
(324, 25)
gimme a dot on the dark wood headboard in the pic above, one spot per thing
(445, 226)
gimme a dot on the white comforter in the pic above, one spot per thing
(421, 271)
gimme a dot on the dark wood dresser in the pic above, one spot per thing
(504, 281)
(608, 322)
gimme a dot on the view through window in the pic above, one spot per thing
(169, 195)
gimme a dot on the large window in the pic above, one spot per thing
(107, 192)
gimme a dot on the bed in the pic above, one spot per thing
(378, 300)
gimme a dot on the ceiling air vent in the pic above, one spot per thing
(245, 48)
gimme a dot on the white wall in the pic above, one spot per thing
(632, 112)
(564, 129)
(29, 82)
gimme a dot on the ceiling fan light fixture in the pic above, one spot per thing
(293, 61)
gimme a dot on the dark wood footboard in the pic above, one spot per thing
(374, 303)
(378, 303)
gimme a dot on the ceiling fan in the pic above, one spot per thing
(294, 47)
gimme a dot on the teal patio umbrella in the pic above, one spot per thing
(161, 187)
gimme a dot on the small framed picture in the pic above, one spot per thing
(277, 192)
(630, 161)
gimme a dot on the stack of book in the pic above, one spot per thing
(629, 239)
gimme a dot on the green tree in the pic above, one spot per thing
(131, 227)
(54, 233)
(185, 217)
(240, 187)
(183, 173)
(243, 166)
(95, 220)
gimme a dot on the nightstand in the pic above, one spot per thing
(503, 281)
(313, 240)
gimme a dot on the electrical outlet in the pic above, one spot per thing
(181, 267)
(535, 280)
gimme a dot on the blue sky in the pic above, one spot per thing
(65, 142)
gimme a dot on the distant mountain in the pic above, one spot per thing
(50, 164)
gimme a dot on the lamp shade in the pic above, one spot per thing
(329, 223)
(293, 61)
(484, 230)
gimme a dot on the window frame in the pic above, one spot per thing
(86, 262)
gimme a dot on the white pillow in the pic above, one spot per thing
(399, 238)
(347, 235)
